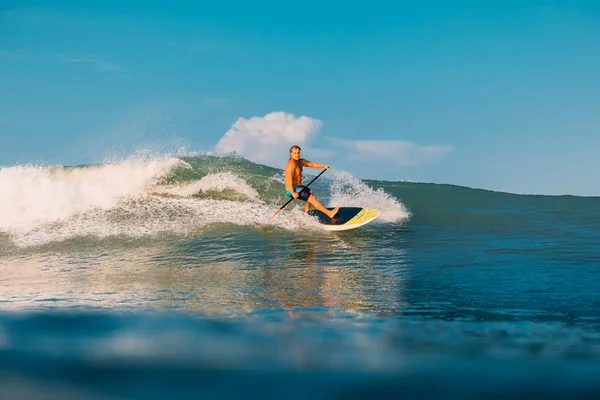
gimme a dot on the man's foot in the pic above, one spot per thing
(332, 213)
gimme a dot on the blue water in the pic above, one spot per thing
(169, 288)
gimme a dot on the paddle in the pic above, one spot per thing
(290, 200)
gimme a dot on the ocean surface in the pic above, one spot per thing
(151, 279)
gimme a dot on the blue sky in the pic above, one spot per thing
(502, 95)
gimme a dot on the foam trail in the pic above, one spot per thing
(149, 216)
(32, 195)
(348, 191)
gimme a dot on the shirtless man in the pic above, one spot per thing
(293, 182)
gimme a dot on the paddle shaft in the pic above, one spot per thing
(314, 179)
(290, 200)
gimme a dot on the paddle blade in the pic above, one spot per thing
(270, 219)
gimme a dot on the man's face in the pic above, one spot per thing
(295, 154)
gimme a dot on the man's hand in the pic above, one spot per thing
(327, 166)
(295, 195)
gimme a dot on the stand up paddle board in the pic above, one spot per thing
(346, 218)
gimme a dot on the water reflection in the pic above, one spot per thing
(226, 273)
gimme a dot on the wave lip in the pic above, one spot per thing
(213, 182)
(34, 195)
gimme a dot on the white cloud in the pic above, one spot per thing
(216, 103)
(267, 139)
(399, 152)
(94, 61)
(14, 54)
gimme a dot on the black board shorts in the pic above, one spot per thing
(303, 194)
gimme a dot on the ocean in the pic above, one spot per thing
(150, 278)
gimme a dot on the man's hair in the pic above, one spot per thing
(295, 147)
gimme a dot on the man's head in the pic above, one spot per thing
(295, 152)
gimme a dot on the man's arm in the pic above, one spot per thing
(312, 164)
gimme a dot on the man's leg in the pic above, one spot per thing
(307, 204)
(312, 200)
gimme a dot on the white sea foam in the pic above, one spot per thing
(213, 182)
(41, 204)
(153, 215)
(32, 195)
(348, 191)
